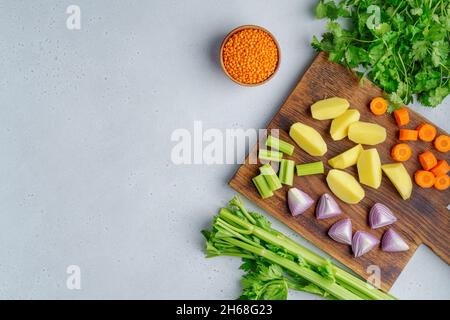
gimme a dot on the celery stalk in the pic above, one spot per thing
(287, 172)
(271, 177)
(270, 155)
(262, 186)
(280, 145)
(307, 169)
(273, 237)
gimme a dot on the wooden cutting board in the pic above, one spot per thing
(423, 219)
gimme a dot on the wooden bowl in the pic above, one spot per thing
(229, 35)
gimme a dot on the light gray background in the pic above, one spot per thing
(85, 123)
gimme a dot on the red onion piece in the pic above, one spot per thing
(363, 242)
(380, 216)
(327, 207)
(298, 201)
(393, 242)
(341, 231)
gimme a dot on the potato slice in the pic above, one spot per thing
(366, 133)
(369, 168)
(347, 158)
(339, 126)
(308, 139)
(345, 186)
(400, 178)
(329, 108)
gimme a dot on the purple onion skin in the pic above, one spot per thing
(327, 207)
(393, 242)
(341, 231)
(380, 216)
(363, 242)
(298, 201)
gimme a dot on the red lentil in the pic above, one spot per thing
(250, 56)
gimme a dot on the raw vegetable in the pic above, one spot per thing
(401, 152)
(308, 139)
(329, 108)
(307, 169)
(427, 132)
(441, 168)
(393, 242)
(378, 106)
(339, 126)
(442, 182)
(442, 143)
(262, 186)
(380, 216)
(286, 174)
(362, 243)
(369, 168)
(347, 158)
(401, 117)
(427, 160)
(270, 155)
(341, 231)
(345, 186)
(327, 207)
(366, 133)
(272, 261)
(424, 179)
(401, 46)
(396, 172)
(407, 135)
(271, 177)
(280, 145)
(298, 201)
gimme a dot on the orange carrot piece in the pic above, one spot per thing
(441, 168)
(401, 116)
(408, 135)
(378, 106)
(427, 160)
(401, 152)
(424, 179)
(442, 182)
(442, 143)
(427, 132)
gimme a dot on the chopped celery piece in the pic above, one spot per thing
(271, 177)
(280, 145)
(310, 168)
(262, 186)
(270, 155)
(287, 168)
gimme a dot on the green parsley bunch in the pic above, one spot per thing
(401, 45)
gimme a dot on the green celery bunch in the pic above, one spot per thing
(275, 264)
(401, 45)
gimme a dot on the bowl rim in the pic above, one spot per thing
(244, 27)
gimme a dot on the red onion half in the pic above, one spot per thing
(392, 242)
(298, 201)
(341, 231)
(327, 207)
(380, 216)
(363, 242)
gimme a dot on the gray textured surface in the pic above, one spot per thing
(85, 124)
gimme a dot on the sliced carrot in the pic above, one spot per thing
(427, 160)
(408, 135)
(401, 152)
(424, 179)
(442, 182)
(401, 116)
(442, 143)
(426, 132)
(378, 106)
(440, 168)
